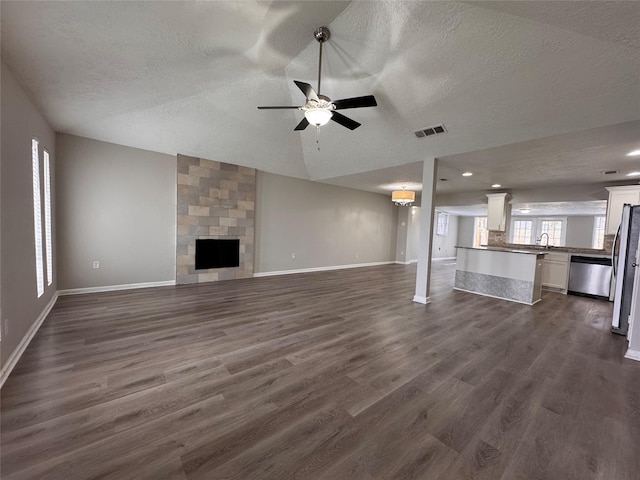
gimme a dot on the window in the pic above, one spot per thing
(554, 229)
(443, 223)
(47, 218)
(480, 232)
(522, 231)
(598, 232)
(37, 217)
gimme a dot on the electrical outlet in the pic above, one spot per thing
(357, 255)
(293, 255)
(96, 264)
(5, 327)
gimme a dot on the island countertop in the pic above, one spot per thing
(509, 250)
(542, 248)
(510, 274)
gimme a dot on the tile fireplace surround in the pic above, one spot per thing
(215, 200)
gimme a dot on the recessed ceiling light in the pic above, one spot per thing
(524, 210)
(633, 174)
(634, 153)
(496, 185)
(467, 174)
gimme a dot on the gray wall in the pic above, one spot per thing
(408, 238)
(116, 205)
(409, 234)
(465, 231)
(402, 227)
(20, 305)
(413, 234)
(323, 225)
(580, 232)
(444, 245)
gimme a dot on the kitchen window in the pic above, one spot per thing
(522, 231)
(480, 232)
(554, 229)
(443, 224)
(598, 232)
(530, 231)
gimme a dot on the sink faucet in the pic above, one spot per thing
(540, 239)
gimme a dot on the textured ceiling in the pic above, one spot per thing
(186, 77)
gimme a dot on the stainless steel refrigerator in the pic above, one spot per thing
(625, 261)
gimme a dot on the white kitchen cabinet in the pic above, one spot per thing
(497, 211)
(618, 196)
(555, 271)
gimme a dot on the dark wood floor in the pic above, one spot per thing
(333, 375)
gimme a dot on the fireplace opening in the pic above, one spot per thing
(217, 253)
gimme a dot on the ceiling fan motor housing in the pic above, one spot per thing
(321, 34)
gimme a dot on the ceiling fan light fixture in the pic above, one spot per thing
(318, 116)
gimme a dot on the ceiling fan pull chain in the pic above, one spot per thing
(318, 136)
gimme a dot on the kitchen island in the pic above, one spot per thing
(510, 274)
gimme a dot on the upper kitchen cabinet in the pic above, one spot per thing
(497, 211)
(618, 196)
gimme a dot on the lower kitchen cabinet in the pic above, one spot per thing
(555, 271)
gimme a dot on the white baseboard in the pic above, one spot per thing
(114, 288)
(633, 355)
(421, 299)
(320, 269)
(24, 343)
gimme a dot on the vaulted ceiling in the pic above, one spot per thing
(529, 92)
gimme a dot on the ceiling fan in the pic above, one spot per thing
(319, 109)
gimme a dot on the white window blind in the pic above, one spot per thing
(37, 217)
(47, 218)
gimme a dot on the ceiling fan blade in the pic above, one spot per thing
(344, 121)
(356, 102)
(308, 90)
(304, 123)
(274, 107)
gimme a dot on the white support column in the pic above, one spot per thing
(423, 276)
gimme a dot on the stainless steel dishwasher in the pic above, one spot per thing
(590, 276)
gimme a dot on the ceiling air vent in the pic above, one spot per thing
(429, 131)
(609, 172)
